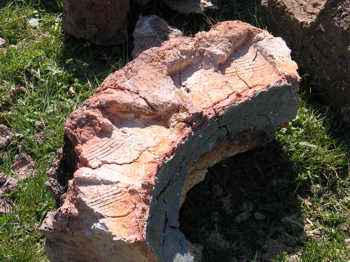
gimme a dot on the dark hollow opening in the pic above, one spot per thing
(246, 209)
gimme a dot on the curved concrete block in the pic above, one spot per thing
(135, 148)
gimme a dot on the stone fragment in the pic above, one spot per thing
(23, 165)
(5, 136)
(152, 31)
(135, 148)
(5, 206)
(191, 6)
(318, 31)
(347, 241)
(102, 22)
(7, 184)
(34, 22)
(242, 217)
(2, 41)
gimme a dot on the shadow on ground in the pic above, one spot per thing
(337, 123)
(87, 62)
(247, 208)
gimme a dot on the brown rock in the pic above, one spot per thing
(318, 31)
(152, 31)
(5, 136)
(136, 146)
(102, 22)
(191, 6)
(23, 165)
(7, 184)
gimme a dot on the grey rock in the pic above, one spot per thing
(151, 31)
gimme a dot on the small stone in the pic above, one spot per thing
(23, 165)
(7, 184)
(5, 206)
(20, 90)
(295, 257)
(314, 234)
(5, 136)
(259, 216)
(151, 31)
(33, 22)
(244, 216)
(2, 41)
(344, 227)
(39, 137)
(347, 241)
(71, 90)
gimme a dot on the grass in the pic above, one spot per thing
(299, 182)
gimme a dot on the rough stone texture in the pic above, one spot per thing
(152, 31)
(7, 184)
(191, 6)
(135, 148)
(5, 136)
(23, 165)
(102, 22)
(318, 31)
